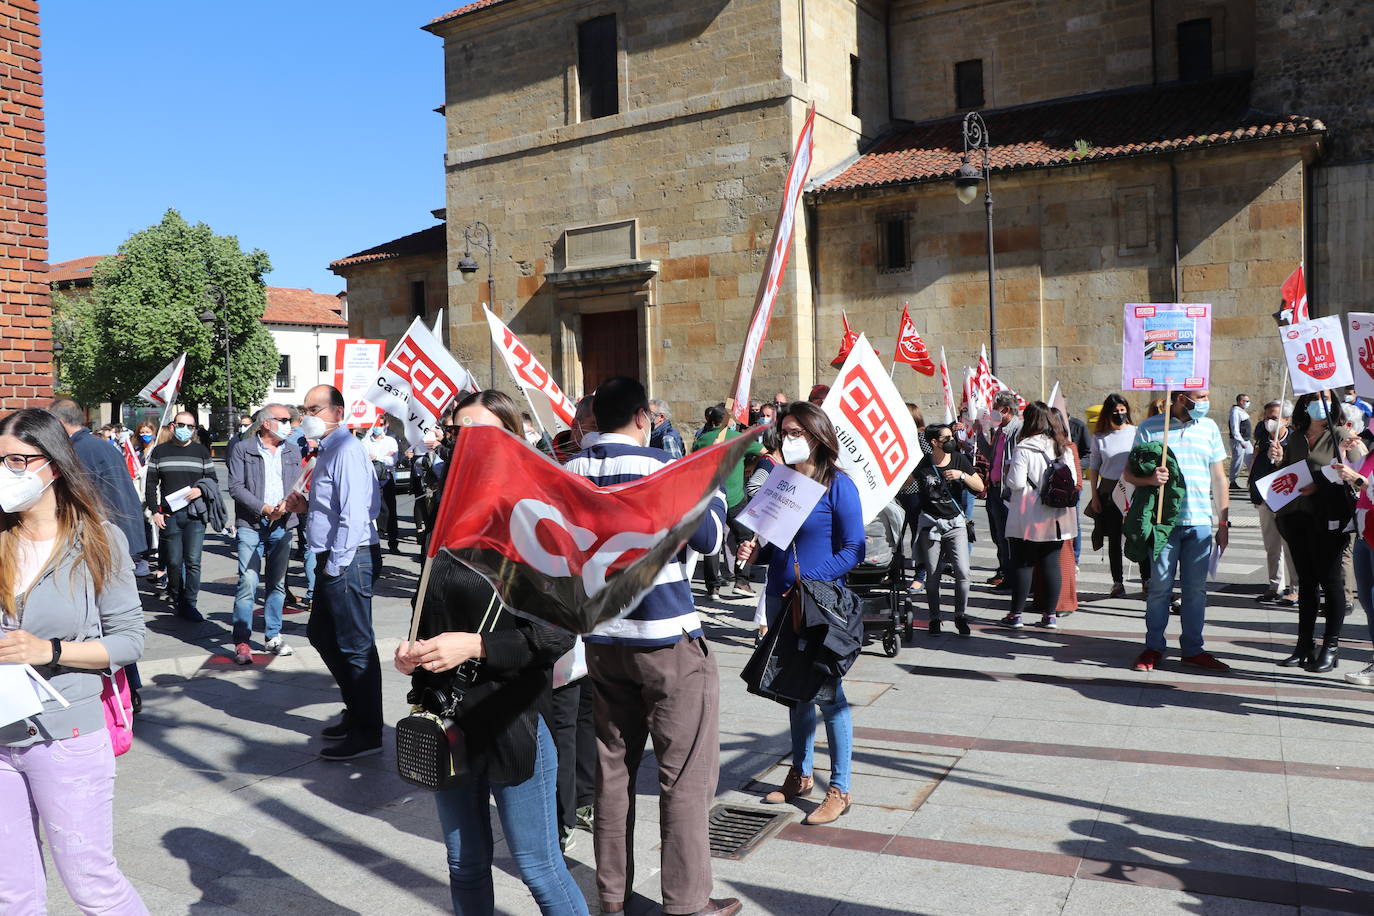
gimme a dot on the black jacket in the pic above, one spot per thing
(513, 683)
(110, 474)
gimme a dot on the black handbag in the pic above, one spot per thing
(431, 749)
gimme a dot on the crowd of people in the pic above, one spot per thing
(555, 725)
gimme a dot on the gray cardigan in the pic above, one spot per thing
(246, 479)
(63, 605)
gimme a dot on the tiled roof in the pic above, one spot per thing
(426, 241)
(1117, 124)
(465, 9)
(75, 270)
(302, 306)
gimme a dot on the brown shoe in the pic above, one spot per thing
(794, 786)
(727, 907)
(835, 804)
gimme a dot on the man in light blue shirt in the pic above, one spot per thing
(1195, 443)
(344, 501)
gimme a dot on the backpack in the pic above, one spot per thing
(1058, 489)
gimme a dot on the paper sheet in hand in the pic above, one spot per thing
(21, 693)
(1282, 487)
(1330, 473)
(178, 500)
(1215, 561)
(781, 505)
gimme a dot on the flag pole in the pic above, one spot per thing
(1164, 456)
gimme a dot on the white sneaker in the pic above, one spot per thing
(277, 646)
(1364, 677)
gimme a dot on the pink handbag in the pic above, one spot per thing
(119, 711)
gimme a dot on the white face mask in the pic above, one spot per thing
(1271, 426)
(313, 427)
(19, 492)
(283, 428)
(795, 451)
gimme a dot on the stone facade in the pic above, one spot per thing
(26, 371)
(383, 297)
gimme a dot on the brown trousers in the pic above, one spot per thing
(672, 695)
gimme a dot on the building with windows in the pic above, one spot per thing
(629, 160)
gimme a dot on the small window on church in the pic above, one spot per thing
(599, 91)
(968, 84)
(893, 242)
(1195, 50)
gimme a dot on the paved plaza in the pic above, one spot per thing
(1009, 772)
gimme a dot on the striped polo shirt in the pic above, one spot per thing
(1196, 446)
(667, 612)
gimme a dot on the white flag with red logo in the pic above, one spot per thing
(1360, 328)
(555, 546)
(418, 380)
(878, 447)
(947, 389)
(307, 474)
(911, 349)
(1294, 292)
(550, 406)
(773, 268)
(163, 390)
(1318, 358)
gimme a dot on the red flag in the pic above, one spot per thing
(1294, 292)
(131, 460)
(555, 546)
(911, 349)
(846, 343)
(771, 280)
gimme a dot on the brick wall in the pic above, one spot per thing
(25, 310)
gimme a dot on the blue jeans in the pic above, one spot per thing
(180, 548)
(1187, 552)
(839, 731)
(340, 629)
(1364, 579)
(309, 574)
(529, 820)
(274, 543)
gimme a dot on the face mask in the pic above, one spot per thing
(313, 427)
(146, 437)
(21, 491)
(795, 451)
(1271, 426)
(1350, 399)
(377, 433)
(183, 434)
(1316, 410)
(243, 430)
(1118, 419)
(283, 428)
(1199, 409)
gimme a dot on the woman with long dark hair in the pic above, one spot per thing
(1315, 526)
(1036, 532)
(828, 545)
(70, 608)
(506, 717)
(1113, 438)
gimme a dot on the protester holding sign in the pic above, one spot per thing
(942, 479)
(1315, 524)
(1195, 444)
(1283, 579)
(828, 545)
(1111, 446)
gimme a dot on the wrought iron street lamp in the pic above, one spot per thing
(966, 186)
(477, 235)
(215, 295)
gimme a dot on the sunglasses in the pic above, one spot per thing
(184, 425)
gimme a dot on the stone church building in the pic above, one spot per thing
(629, 158)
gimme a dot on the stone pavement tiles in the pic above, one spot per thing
(1008, 772)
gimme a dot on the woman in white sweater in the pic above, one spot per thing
(1035, 531)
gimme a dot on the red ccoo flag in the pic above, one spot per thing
(846, 343)
(1294, 292)
(911, 349)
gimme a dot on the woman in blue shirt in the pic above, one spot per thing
(828, 545)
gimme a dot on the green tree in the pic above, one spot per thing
(145, 309)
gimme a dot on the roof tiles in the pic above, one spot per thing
(465, 9)
(1118, 124)
(302, 306)
(426, 241)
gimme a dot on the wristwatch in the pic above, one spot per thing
(56, 653)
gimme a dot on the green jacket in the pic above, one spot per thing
(1145, 537)
(734, 484)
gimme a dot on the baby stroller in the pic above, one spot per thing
(878, 581)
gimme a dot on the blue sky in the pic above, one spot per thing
(304, 128)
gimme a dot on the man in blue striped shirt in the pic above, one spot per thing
(1195, 443)
(654, 676)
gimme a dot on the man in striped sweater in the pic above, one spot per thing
(654, 676)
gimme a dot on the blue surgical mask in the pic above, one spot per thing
(1316, 409)
(183, 434)
(146, 437)
(1199, 409)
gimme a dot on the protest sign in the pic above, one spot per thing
(418, 381)
(356, 361)
(878, 447)
(1166, 346)
(551, 407)
(1317, 355)
(1284, 485)
(781, 505)
(1360, 328)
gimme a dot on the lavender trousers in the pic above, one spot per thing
(68, 787)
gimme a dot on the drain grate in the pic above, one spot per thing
(735, 830)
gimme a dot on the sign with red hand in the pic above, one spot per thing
(1284, 485)
(1360, 326)
(1317, 355)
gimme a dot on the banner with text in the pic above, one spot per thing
(356, 363)
(418, 381)
(550, 405)
(1166, 346)
(878, 446)
(1317, 355)
(1360, 328)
